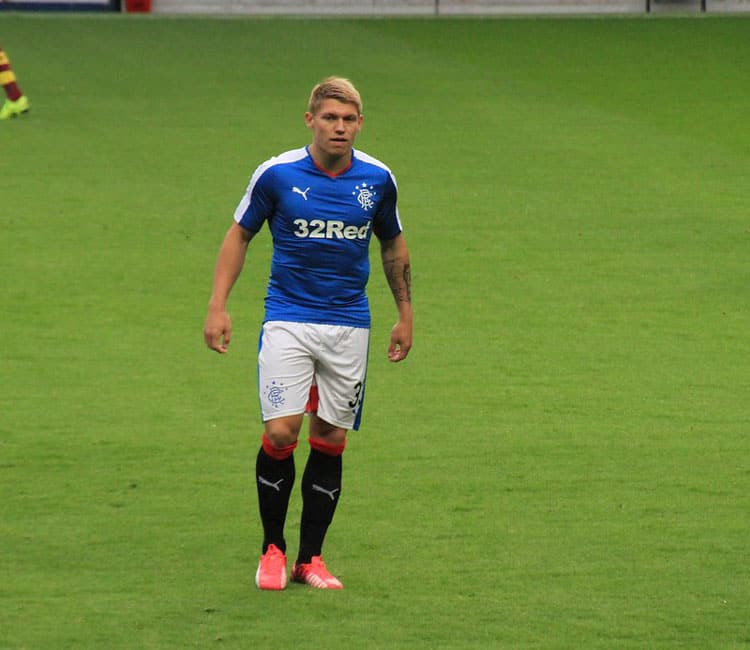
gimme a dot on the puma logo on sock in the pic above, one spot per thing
(330, 493)
(275, 486)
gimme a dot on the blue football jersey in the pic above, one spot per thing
(321, 227)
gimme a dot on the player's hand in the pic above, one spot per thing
(217, 331)
(400, 341)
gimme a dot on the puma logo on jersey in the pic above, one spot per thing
(297, 190)
(330, 493)
(275, 486)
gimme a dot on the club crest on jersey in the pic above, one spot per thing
(364, 195)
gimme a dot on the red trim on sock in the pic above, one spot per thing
(277, 453)
(327, 448)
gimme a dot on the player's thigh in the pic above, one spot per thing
(285, 369)
(340, 375)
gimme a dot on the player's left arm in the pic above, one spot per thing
(395, 256)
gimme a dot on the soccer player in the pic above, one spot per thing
(16, 102)
(322, 203)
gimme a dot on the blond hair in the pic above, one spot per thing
(334, 88)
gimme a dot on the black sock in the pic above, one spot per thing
(321, 488)
(274, 481)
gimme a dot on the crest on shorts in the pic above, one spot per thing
(275, 394)
(365, 195)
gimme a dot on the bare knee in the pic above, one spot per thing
(284, 431)
(326, 431)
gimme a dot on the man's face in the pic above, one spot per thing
(335, 126)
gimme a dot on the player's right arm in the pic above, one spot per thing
(217, 331)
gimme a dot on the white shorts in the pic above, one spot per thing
(293, 356)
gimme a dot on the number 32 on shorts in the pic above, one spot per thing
(357, 396)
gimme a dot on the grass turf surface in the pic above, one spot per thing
(563, 460)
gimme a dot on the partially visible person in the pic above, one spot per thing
(16, 103)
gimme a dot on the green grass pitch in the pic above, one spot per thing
(562, 462)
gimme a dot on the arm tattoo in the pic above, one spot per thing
(399, 280)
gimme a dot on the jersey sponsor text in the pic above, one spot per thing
(329, 229)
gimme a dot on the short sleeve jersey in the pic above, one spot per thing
(321, 227)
